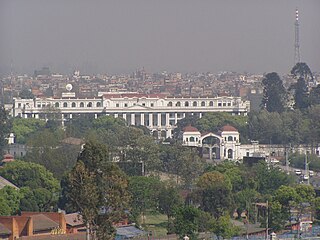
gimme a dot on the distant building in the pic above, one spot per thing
(158, 112)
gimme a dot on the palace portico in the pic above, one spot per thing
(157, 112)
(223, 145)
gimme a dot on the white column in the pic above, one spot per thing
(95, 116)
(159, 119)
(124, 115)
(169, 133)
(36, 115)
(167, 119)
(142, 119)
(183, 115)
(116, 115)
(150, 119)
(175, 118)
(200, 115)
(70, 115)
(133, 119)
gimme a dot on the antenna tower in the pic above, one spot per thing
(296, 39)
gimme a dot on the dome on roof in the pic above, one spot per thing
(189, 128)
(228, 128)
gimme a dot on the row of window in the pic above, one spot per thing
(81, 104)
(195, 139)
(202, 104)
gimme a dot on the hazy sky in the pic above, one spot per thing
(113, 36)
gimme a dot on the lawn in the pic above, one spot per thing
(156, 223)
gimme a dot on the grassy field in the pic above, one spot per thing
(156, 223)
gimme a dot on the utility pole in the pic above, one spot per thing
(307, 167)
(287, 162)
(267, 221)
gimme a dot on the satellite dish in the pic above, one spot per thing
(69, 87)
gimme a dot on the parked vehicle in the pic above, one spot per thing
(311, 173)
(298, 172)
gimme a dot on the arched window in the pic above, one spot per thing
(211, 103)
(65, 104)
(203, 104)
(89, 104)
(56, 105)
(73, 104)
(230, 138)
(169, 104)
(98, 104)
(191, 139)
(178, 104)
(230, 154)
(81, 104)
(195, 104)
(186, 104)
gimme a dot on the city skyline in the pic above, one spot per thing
(184, 36)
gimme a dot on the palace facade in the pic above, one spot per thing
(157, 112)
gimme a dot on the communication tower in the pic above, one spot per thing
(296, 39)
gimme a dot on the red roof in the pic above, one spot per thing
(189, 128)
(228, 128)
(132, 95)
(8, 156)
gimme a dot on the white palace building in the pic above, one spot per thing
(155, 111)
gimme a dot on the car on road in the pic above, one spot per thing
(305, 177)
(297, 172)
(311, 173)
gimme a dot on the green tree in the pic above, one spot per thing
(187, 220)
(223, 227)
(302, 70)
(40, 190)
(274, 93)
(315, 95)
(26, 94)
(287, 197)
(301, 96)
(214, 191)
(4, 128)
(23, 128)
(98, 189)
(25, 174)
(316, 208)
(270, 178)
(144, 150)
(10, 197)
(47, 150)
(145, 194)
(278, 217)
(314, 125)
(213, 122)
(169, 199)
(244, 200)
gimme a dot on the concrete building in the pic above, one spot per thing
(155, 111)
(226, 145)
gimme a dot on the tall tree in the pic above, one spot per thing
(315, 95)
(302, 70)
(214, 190)
(4, 128)
(26, 94)
(274, 93)
(97, 188)
(301, 96)
(145, 194)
